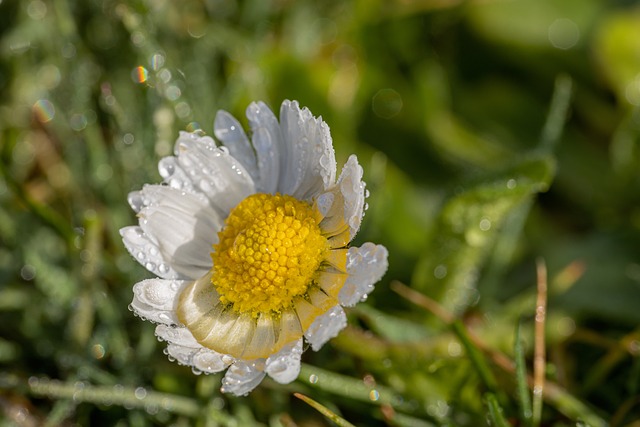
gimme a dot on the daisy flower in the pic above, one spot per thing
(250, 243)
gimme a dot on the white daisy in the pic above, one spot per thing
(250, 245)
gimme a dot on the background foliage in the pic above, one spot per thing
(455, 110)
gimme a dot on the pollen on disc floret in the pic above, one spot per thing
(268, 253)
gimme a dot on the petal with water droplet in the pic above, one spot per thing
(156, 299)
(243, 376)
(325, 327)
(182, 227)
(365, 265)
(284, 366)
(213, 172)
(229, 131)
(267, 140)
(308, 163)
(146, 252)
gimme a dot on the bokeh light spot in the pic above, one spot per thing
(140, 74)
(564, 33)
(44, 110)
(387, 103)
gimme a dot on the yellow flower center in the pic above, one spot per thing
(268, 254)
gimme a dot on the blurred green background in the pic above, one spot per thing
(492, 134)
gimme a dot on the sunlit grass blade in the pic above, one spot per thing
(324, 411)
(494, 411)
(524, 399)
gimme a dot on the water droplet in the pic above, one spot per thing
(374, 395)
(511, 184)
(485, 224)
(150, 266)
(313, 378)
(164, 269)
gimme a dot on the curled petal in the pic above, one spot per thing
(243, 376)
(284, 366)
(156, 299)
(326, 327)
(343, 217)
(365, 265)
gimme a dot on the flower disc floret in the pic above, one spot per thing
(268, 253)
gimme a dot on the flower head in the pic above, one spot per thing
(249, 241)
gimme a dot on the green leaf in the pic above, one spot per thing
(468, 227)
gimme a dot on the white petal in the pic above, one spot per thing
(267, 140)
(156, 299)
(326, 327)
(342, 219)
(146, 252)
(243, 376)
(365, 265)
(308, 162)
(284, 366)
(182, 227)
(213, 171)
(229, 131)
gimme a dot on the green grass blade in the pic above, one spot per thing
(495, 415)
(524, 399)
(476, 357)
(352, 388)
(554, 124)
(324, 411)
